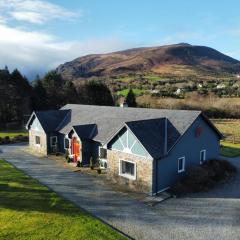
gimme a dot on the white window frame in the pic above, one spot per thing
(68, 143)
(183, 168)
(205, 153)
(134, 177)
(37, 144)
(51, 142)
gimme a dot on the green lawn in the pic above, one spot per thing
(152, 77)
(124, 92)
(230, 149)
(29, 210)
(13, 134)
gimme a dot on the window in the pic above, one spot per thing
(53, 141)
(127, 169)
(37, 140)
(181, 164)
(102, 152)
(66, 143)
(202, 156)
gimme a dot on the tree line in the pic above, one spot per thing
(19, 97)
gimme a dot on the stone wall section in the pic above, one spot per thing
(40, 149)
(144, 171)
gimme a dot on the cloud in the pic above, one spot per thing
(36, 52)
(35, 11)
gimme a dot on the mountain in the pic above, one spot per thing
(179, 60)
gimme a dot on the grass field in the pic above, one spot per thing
(124, 92)
(231, 131)
(229, 128)
(13, 134)
(230, 150)
(29, 210)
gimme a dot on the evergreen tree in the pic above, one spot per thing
(53, 83)
(96, 93)
(21, 95)
(39, 95)
(131, 99)
(70, 93)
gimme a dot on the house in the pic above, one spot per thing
(178, 91)
(144, 149)
(221, 86)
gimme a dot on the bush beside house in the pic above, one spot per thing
(204, 177)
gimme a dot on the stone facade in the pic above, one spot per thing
(42, 148)
(144, 171)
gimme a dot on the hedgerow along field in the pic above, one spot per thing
(12, 134)
(30, 211)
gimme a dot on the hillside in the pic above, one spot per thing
(170, 61)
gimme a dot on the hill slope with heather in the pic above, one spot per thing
(170, 61)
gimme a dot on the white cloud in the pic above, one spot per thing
(2, 19)
(35, 11)
(36, 52)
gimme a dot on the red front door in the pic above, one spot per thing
(75, 149)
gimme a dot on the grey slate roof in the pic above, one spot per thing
(151, 134)
(110, 119)
(51, 119)
(85, 131)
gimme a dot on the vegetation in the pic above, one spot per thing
(29, 210)
(130, 99)
(13, 134)
(96, 93)
(229, 149)
(204, 177)
(13, 137)
(229, 128)
(19, 98)
(210, 104)
(16, 95)
(124, 92)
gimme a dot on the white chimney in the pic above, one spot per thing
(123, 102)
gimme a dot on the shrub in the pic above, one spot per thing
(79, 164)
(20, 138)
(7, 140)
(204, 177)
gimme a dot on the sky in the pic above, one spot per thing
(38, 35)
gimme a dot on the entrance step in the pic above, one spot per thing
(160, 197)
(73, 164)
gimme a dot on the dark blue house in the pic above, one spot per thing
(145, 149)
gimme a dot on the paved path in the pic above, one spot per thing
(213, 215)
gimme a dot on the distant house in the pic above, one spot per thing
(221, 86)
(146, 149)
(178, 91)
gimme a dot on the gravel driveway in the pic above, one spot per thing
(213, 215)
